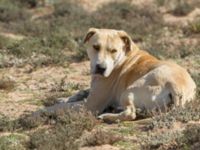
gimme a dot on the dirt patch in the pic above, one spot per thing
(182, 20)
(32, 84)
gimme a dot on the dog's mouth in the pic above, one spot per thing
(100, 70)
(98, 74)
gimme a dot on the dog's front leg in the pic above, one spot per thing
(95, 104)
(128, 114)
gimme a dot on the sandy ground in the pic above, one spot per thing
(32, 85)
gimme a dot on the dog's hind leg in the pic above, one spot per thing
(128, 114)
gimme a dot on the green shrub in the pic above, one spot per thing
(190, 138)
(158, 141)
(100, 137)
(191, 112)
(177, 7)
(182, 8)
(52, 45)
(194, 27)
(28, 3)
(13, 142)
(10, 11)
(67, 127)
(52, 98)
(4, 42)
(186, 139)
(6, 124)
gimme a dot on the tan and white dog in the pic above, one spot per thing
(124, 76)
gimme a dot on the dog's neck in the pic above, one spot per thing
(129, 57)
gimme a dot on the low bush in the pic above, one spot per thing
(12, 142)
(10, 11)
(100, 137)
(66, 128)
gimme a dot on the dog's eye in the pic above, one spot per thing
(96, 47)
(113, 51)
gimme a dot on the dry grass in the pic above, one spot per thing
(64, 128)
(100, 137)
(6, 84)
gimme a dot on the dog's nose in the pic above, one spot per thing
(100, 69)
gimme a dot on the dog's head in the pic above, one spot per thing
(106, 49)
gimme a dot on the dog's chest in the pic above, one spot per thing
(107, 91)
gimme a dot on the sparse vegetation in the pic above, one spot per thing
(6, 124)
(184, 115)
(67, 127)
(186, 139)
(6, 84)
(100, 137)
(177, 7)
(190, 138)
(13, 142)
(54, 39)
(195, 27)
(182, 8)
(10, 11)
(64, 128)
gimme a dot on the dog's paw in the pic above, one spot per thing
(108, 118)
(100, 117)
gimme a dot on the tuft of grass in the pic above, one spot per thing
(182, 8)
(62, 90)
(190, 138)
(125, 129)
(6, 84)
(28, 3)
(10, 11)
(177, 7)
(155, 141)
(4, 42)
(194, 27)
(100, 137)
(6, 124)
(13, 142)
(127, 145)
(52, 98)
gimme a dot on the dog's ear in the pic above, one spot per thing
(89, 34)
(127, 40)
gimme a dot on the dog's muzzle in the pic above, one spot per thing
(100, 69)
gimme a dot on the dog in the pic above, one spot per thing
(125, 77)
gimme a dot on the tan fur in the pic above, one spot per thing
(137, 80)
